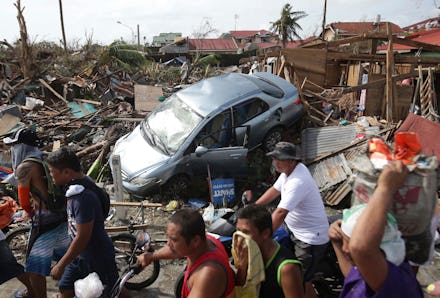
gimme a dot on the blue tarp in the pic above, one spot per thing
(177, 59)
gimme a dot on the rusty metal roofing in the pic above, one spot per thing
(330, 171)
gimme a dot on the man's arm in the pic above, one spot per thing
(79, 243)
(164, 253)
(23, 175)
(201, 282)
(368, 232)
(335, 234)
(270, 195)
(291, 281)
(278, 217)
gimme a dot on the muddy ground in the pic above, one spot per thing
(170, 270)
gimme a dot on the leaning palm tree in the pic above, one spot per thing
(287, 25)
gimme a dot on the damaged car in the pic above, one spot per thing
(206, 129)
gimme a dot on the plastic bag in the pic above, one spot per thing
(89, 287)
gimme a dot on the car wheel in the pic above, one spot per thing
(274, 136)
(177, 188)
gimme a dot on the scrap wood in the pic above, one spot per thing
(93, 102)
(92, 116)
(335, 197)
(53, 90)
(308, 106)
(92, 148)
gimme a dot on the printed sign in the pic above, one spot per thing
(222, 188)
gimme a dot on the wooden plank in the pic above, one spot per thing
(93, 102)
(7, 122)
(146, 97)
(135, 204)
(416, 44)
(52, 90)
(389, 74)
(382, 58)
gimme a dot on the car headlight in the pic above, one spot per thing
(139, 181)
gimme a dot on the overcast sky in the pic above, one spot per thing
(99, 18)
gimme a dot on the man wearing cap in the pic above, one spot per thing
(49, 238)
(301, 208)
(369, 247)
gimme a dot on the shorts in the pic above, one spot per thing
(8, 264)
(80, 268)
(49, 246)
(309, 255)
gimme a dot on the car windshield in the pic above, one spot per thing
(169, 125)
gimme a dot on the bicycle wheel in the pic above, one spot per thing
(17, 240)
(124, 244)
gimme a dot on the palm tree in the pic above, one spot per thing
(287, 25)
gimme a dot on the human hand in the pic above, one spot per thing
(145, 259)
(335, 232)
(241, 250)
(57, 271)
(393, 176)
(241, 260)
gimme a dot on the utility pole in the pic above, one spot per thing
(236, 18)
(323, 18)
(139, 36)
(62, 25)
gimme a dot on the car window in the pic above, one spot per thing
(170, 124)
(217, 133)
(267, 87)
(248, 110)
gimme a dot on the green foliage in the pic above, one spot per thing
(287, 25)
(127, 56)
(213, 60)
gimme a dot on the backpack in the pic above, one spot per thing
(103, 196)
(56, 200)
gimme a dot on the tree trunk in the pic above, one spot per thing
(25, 55)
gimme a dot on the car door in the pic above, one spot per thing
(253, 113)
(215, 147)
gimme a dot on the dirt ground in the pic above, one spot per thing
(170, 270)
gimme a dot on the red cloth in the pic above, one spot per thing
(427, 131)
(220, 256)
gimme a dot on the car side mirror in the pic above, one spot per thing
(201, 150)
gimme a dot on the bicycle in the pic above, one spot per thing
(143, 241)
(126, 248)
(124, 241)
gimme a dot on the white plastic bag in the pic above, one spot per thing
(89, 287)
(208, 214)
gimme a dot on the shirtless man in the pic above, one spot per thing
(49, 239)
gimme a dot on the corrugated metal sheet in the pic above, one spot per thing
(321, 140)
(330, 171)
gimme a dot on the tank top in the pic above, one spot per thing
(218, 255)
(271, 287)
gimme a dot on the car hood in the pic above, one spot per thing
(136, 154)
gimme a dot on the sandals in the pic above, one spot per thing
(21, 293)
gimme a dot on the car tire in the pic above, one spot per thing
(176, 188)
(274, 136)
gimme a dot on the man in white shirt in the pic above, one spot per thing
(301, 208)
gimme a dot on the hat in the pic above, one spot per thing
(285, 151)
(23, 135)
(392, 243)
